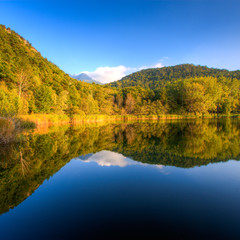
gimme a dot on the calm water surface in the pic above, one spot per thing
(162, 180)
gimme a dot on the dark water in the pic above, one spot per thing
(163, 180)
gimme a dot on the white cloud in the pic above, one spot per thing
(158, 65)
(108, 74)
(111, 74)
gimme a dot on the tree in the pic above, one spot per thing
(129, 103)
(43, 99)
(61, 102)
(194, 97)
(8, 101)
(22, 81)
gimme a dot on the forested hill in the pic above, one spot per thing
(155, 78)
(29, 83)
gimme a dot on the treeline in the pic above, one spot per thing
(30, 84)
(203, 95)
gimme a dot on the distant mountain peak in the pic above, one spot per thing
(85, 78)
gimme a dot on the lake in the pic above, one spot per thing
(175, 179)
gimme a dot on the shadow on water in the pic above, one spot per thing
(26, 164)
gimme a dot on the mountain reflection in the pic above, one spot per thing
(26, 164)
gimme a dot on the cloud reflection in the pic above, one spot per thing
(107, 158)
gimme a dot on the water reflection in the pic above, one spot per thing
(110, 159)
(186, 144)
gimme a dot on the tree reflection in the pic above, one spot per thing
(26, 164)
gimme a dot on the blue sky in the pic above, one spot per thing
(108, 39)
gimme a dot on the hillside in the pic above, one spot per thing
(155, 78)
(18, 59)
(29, 83)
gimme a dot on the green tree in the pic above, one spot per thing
(43, 99)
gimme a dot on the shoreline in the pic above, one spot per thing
(11, 127)
(53, 119)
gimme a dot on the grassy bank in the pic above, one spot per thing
(53, 119)
(11, 127)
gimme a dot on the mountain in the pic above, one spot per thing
(155, 78)
(85, 78)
